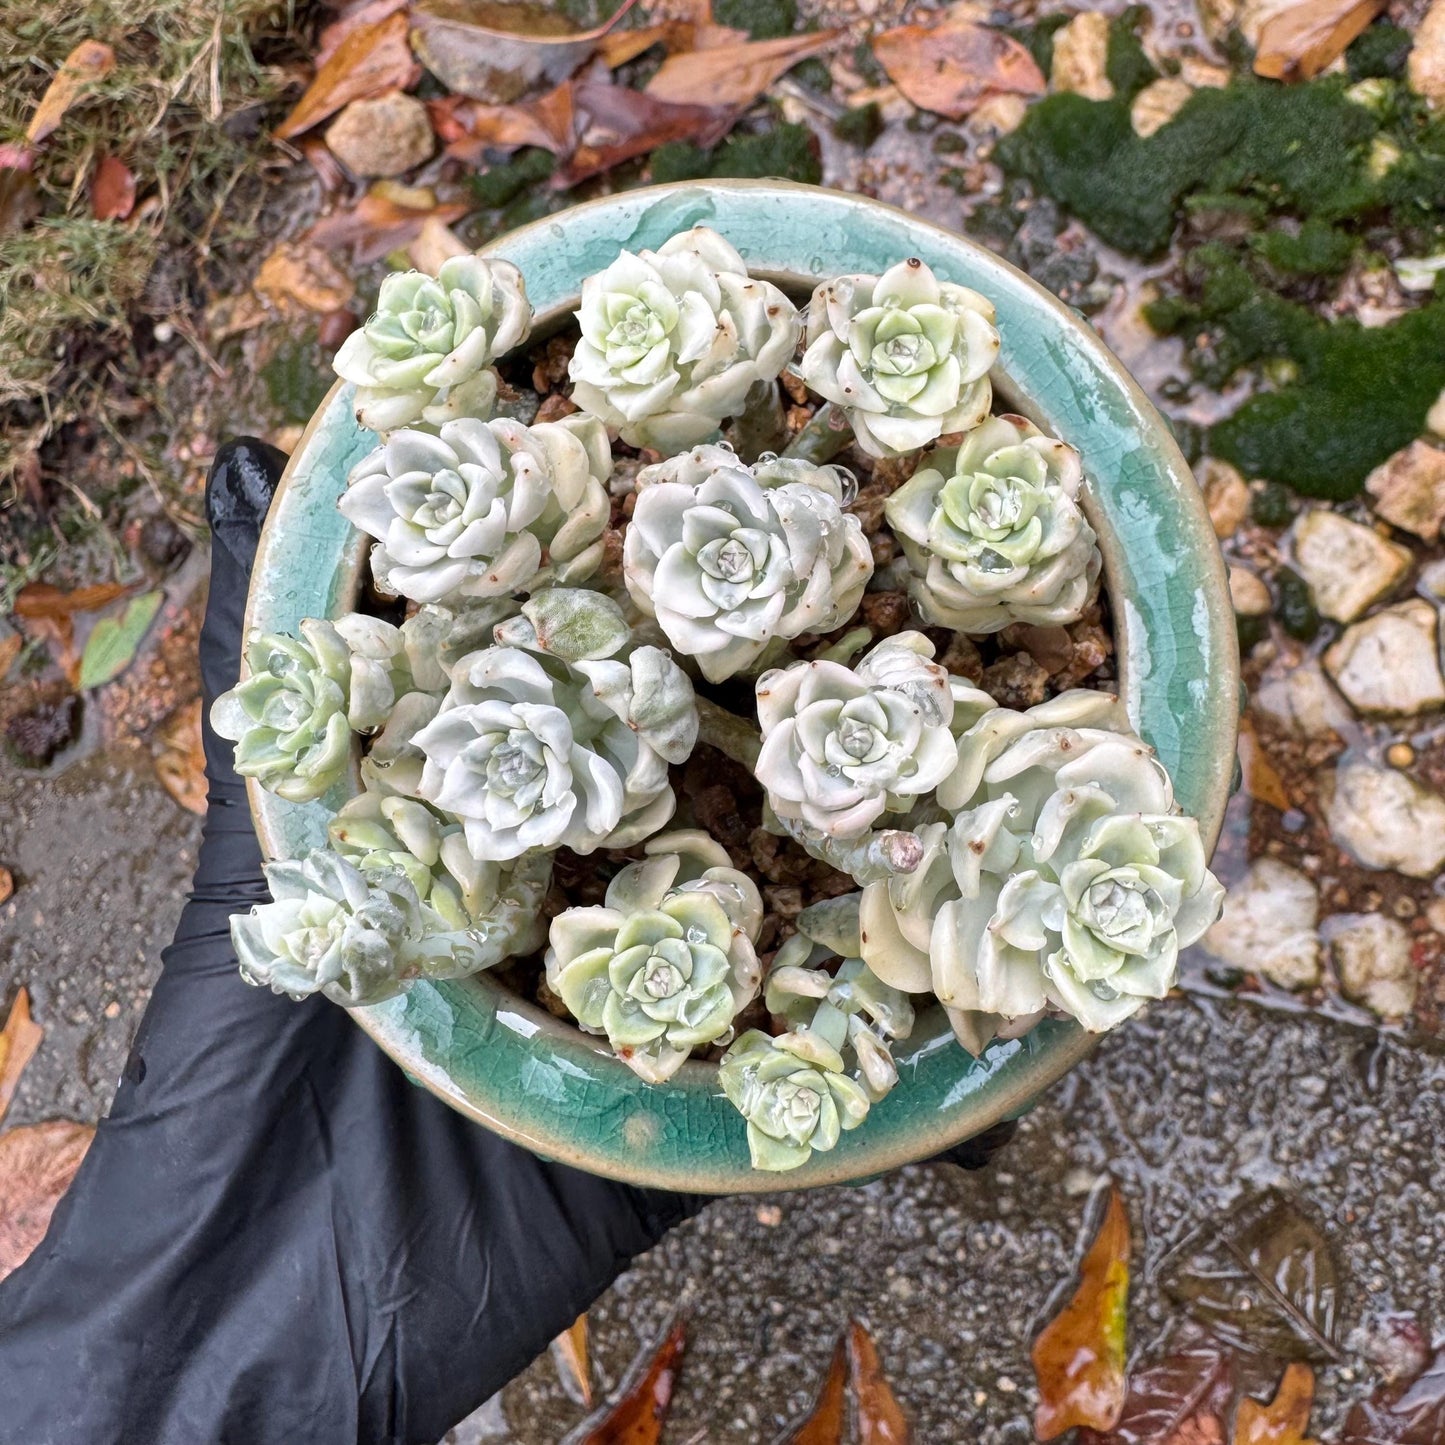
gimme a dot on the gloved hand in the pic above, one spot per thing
(275, 1236)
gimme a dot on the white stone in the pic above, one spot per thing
(1435, 417)
(1390, 663)
(1409, 489)
(1372, 956)
(999, 113)
(1081, 55)
(1268, 925)
(1226, 495)
(1386, 819)
(1250, 596)
(1302, 702)
(1435, 914)
(383, 136)
(1425, 69)
(1158, 103)
(1346, 565)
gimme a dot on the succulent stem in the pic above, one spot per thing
(823, 438)
(728, 733)
(868, 859)
(762, 425)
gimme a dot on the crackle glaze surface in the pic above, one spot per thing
(514, 1068)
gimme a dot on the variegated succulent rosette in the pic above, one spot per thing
(668, 569)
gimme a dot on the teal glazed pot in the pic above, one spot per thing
(509, 1065)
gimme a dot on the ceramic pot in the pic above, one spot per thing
(505, 1062)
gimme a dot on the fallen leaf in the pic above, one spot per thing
(498, 50)
(180, 763)
(1079, 1356)
(18, 1039)
(112, 190)
(1183, 1400)
(621, 124)
(880, 1417)
(41, 599)
(89, 62)
(435, 243)
(950, 68)
(1300, 41)
(638, 1410)
(111, 646)
(1261, 780)
(378, 223)
(1412, 1414)
(37, 1163)
(11, 646)
(1264, 1281)
(353, 18)
(322, 159)
(569, 1352)
(827, 1419)
(1286, 1418)
(231, 315)
(469, 127)
(305, 274)
(7, 887)
(371, 58)
(675, 36)
(734, 75)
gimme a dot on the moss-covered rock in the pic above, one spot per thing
(787, 151)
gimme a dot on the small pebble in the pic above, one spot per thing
(769, 1215)
(1399, 755)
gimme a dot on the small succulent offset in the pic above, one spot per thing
(729, 557)
(674, 339)
(666, 964)
(905, 355)
(993, 530)
(480, 508)
(427, 351)
(842, 745)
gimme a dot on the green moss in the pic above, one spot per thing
(1038, 39)
(762, 19)
(1315, 249)
(1379, 50)
(1294, 606)
(813, 73)
(860, 126)
(296, 380)
(1273, 505)
(501, 185)
(787, 151)
(1128, 68)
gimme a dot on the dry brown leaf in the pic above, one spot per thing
(7, 888)
(569, 1350)
(303, 274)
(351, 19)
(734, 75)
(1262, 781)
(112, 190)
(621, 124)
(370, 59)
(638, 1411)
(880, 1417)
(1079, 1357)
(1286, 1418)
(827, 1420)
(948, 69)
(89, 62)
(322, 159)
(41, 599)
(10, 648)
(181, 761)
(1299, 42)
(469, 127)
(231, 315)
(378, 223)
(37, 1164)
(18, 1039)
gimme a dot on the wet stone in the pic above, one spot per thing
(1268, 925)
(1372, 958)
(1390, 663)
(1158, 103)
(1347, 566)
(1409, 489)
(1018, 681)
(1248, 593)
(1425, 69)
(1302, 703)
(1226, 495)
(1081, 53)
(383, 136)
(1386, 819)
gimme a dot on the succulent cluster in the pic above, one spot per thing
(577, 620)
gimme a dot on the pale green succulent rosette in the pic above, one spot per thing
(425, 354)
(793, 1092)
(482, 509)
(729, 558)
(666, 964)
(356, 937)
(993, 530)
(673, 340)
(905, 355)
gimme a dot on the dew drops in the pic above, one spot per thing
(696, 935)
(816, 266)
(766, 459)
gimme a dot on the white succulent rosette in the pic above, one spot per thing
(529, 751)
(729, 557)
(993, 530)
(1078, 879)
(356, 936)
(843, 745)
(673, 340)
(905, 355)
(667, 962)
(426, 352)
(481, 508)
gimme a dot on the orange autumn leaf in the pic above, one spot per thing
(112, 190)
(41, 599)
(37, 1164)
(880, 1417)
(639, 1410)
(1284, 1420)
(1262, 781)
(1079, 1357)
(303, 274)
(371, 59)
(569, 1350)
(734, 75)
(379, 222)
(18, 1041)
(827, 1421)
(948, 69)
(180, 763)
(469, 127)
(1298, 42)
(89, 62)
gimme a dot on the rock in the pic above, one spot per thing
(1251, 16)
(1081, 54)
(1268, 925)
(1435, 915)
(1346, 565)
(1226, 495)
(1390, 663)
(1372, 956)
(1250, 596)
(1425, 69)
(998, 113)
(1386, 819)
(1302, 703)
(1409, 489)
(383, 136)
(1158, 103)
(1435, 417)
(1016, 681)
